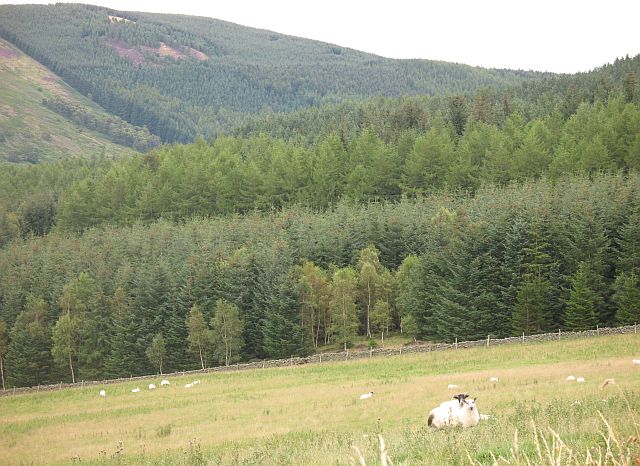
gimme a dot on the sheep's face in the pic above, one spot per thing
(470, 404)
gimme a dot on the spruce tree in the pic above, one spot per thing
(582, 306)
(29, 360)
(283, 335)
(627, 298)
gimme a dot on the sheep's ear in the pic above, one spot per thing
(474, 400)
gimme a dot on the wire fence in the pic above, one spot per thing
(346, 356)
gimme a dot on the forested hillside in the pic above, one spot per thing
(238, 175)
(350, 195)
(31, 132)
(533, 257)
(388, 117)
(183, 76)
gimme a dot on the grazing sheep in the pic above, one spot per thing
(580, 380)
(460, 411)
(570, 378)
(152, 386)
(636, 362)
(164, 382)
(452, 386)
(135, 390)
(189, 385)
(103, 393)
(493, 380)
(364, 396)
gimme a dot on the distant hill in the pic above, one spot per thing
(31, 132)
(183, 76)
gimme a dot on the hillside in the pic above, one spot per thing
(184, 76)
(31, 132)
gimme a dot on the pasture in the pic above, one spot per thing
(313, 415)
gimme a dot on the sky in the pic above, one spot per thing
(562, 36)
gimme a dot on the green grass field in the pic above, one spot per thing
(312, 414)
(29, 132)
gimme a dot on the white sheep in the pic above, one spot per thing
(493, 380)
(189, 385)
(103, 393)
(580, 380)
(135, 390)
(452, 386)
(152, 386)
(164, 382)
(364, 396)
(635, 362)
(195, 382)
(460, 411)
(570, 378)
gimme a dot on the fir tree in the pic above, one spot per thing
(627, 298)
(582, 306)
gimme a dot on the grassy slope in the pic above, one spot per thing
(312, 415)
(31, 132)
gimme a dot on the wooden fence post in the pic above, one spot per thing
(456, 342)
(522, 337)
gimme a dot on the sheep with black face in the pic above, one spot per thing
(460, 411)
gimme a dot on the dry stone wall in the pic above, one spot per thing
(346, 356)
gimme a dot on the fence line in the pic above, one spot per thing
(346, 355)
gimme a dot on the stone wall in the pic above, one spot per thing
(346, 356)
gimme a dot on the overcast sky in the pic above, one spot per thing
(544, 35)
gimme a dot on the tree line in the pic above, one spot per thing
(116, 129)
(119, 301)
(240, 174)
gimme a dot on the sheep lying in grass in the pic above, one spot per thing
(364, 396)
(135, 390)
(152, 386)
(461, 411)
(103, 393)
(635, 362)
(165, 382)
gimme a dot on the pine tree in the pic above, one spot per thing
(283, 335)
(126, 357)
(583, 303)
(627, 298)
(29, 359)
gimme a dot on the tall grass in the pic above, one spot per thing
(312, 414)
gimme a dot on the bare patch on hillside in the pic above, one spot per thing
(8, 53)
(136, 54)
(119, 19)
